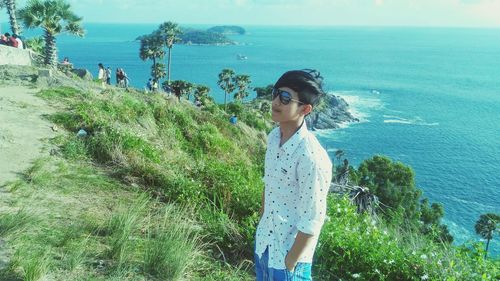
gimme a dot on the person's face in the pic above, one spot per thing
(286, 106)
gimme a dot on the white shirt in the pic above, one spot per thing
(19, 43)
(297, 179)
(100, 74)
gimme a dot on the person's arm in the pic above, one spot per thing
(314, 181)
(302, 240)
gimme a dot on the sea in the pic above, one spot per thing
(427, 97)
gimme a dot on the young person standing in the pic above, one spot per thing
(297, 178)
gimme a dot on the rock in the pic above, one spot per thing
(54, 128)
(83, 73)
(333, 112)
(47, 73)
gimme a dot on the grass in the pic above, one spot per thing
(14, 222)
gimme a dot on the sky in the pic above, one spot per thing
(455, 13)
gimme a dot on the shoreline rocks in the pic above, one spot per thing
(333, 112)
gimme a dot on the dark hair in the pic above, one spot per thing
(307, 83)
(101, 65)
(7, 34)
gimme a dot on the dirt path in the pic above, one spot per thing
(22, 134)
(22, 130)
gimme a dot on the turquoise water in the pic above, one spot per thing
(429, 98)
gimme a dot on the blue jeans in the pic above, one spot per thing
(263, 272)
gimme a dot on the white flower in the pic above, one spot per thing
(356, 275)
(423, 256)
(424, 277)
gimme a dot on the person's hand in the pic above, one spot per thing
(290, 263)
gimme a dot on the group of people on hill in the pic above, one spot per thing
(12, 41)
(104, 76)
(152, 85)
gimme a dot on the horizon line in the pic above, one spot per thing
(302, 25)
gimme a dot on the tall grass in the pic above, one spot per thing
(12, 222)
(173, 246)
(121, 227)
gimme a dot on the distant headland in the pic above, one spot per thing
(213, 36)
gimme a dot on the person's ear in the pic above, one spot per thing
(306, 109)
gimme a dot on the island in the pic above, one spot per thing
(216, 35)
(228, 30)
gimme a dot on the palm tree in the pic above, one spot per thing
(158, 71)
(226, 78)
(152, 49)
(36, 44)
(169, 33)
(485, 226)
(241, 81)
(181, 88)
(11, 10)
(55, 17)
(201, 91)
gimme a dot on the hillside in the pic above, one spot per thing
(143, 187)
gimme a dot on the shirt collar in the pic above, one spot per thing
(293, 142)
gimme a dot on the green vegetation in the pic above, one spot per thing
(194, 36)
(54, 17)
(162, 190)
(152, 46)
(227, 29)
(152, 49)
(486, 226)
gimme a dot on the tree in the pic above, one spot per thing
(486, 226)
(11, 10)
(264, 92)
(158, 71)
(180, 87)
(265, 107)
(169, 33)
(36, 44)
(226, 82)
(54, 17)
(152, 49)
(201, 91)
(241, 81)
(393, 183)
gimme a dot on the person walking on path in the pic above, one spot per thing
(297, 177)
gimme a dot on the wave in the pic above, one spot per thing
(360, 105)
(401, 120)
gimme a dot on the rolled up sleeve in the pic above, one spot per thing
(314, 178)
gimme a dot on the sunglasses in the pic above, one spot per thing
(285, 97)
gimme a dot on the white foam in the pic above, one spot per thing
(360, 106)
(400, 121)
(417, 121)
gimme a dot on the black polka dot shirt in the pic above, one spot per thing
(297, 178)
